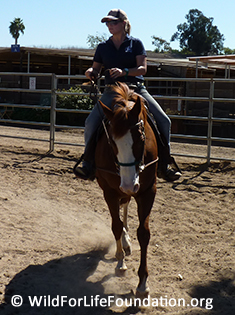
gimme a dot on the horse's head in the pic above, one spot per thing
(127, 120)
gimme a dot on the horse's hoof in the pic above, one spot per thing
(121, 269)
(142, 294)
(120, 272)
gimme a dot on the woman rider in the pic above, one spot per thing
(125, 57)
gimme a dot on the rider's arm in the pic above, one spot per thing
(93, 72)
(140, 69)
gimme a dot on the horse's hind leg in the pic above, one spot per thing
(120, 255)
(126, 241)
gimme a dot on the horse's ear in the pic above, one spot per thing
(107, 111)
(135, 111)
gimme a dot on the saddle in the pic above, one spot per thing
(163, 148)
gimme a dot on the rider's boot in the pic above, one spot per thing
(164, 170)
(165, 159)
(87, 170)
(168, 173)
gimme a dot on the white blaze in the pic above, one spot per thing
(129, 176)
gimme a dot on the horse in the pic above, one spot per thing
(126, 161)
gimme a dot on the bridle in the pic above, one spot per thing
(140, 125)
(140, 163)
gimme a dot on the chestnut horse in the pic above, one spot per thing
(126, 165)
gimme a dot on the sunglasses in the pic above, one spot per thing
(112, 22)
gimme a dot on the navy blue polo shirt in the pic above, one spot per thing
(124, 57)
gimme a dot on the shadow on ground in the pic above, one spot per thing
(216, 297)
(61, 277)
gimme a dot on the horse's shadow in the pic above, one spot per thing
(68, 277)
(65, 277)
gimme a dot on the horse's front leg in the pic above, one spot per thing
(143, 234)
(112, 201)
(145, 203)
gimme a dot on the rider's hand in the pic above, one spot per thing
(91, 74)
(115, 73)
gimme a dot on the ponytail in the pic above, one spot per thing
(128, 27)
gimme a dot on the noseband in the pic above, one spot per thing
(140, 163)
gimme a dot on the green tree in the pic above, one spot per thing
(16, 27)
(161, 45)
(228, 51)
(93, 41)
(198, 35)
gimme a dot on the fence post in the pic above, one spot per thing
(53, 112)
(210, 122)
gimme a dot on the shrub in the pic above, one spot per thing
(71, 101)
(74, 101)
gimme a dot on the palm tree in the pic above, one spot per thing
(15, 28)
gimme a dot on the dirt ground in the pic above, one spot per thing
(56, 239)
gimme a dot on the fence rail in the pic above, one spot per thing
(53, 92)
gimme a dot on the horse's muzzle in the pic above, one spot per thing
(130, 189)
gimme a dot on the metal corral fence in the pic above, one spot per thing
(151, 83)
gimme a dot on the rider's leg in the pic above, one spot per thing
(92, 123)
(164, 126)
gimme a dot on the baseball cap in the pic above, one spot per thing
(115, 14)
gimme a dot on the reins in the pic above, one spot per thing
(94, 91)
(140, 163)
(142, 166)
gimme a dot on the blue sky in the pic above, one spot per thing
(61, 24)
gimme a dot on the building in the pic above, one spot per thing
(76, 61)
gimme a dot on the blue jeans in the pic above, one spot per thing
(94, 120)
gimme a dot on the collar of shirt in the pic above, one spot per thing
(127, 38)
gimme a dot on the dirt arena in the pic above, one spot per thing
(56, 239)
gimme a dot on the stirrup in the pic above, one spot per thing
(83, 172)
(176, 165)
(169, 174)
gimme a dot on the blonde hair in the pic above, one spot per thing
(128, 27)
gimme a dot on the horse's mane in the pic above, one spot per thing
(122, 121)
